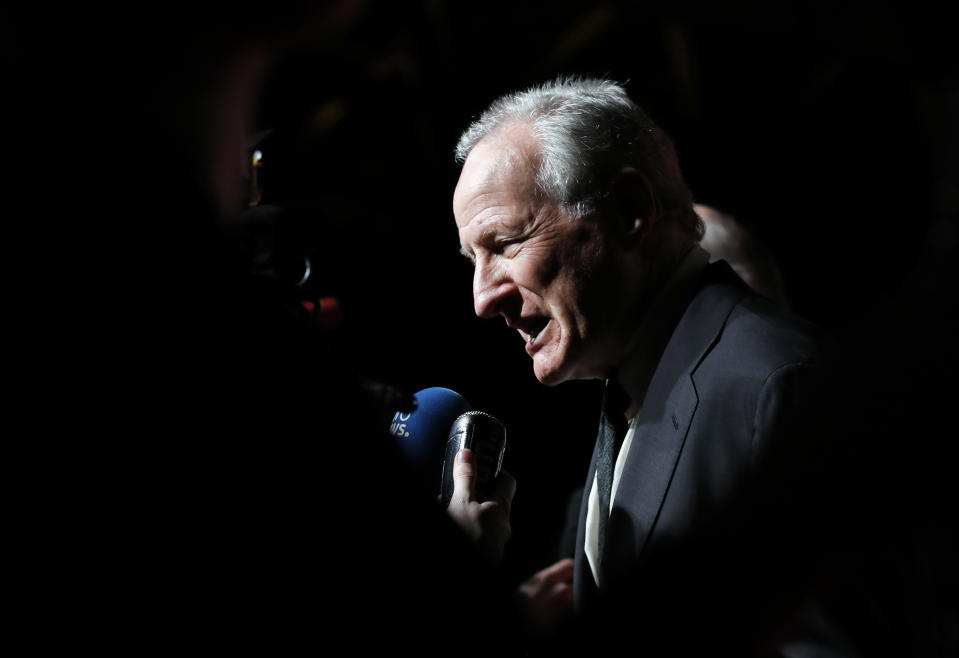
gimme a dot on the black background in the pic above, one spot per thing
(827, 129)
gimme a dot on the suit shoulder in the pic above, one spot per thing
(762, 334)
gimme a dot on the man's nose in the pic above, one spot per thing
(492, 285)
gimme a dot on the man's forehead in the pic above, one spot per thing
(503, 163)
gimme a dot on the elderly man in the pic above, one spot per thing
(583, 236)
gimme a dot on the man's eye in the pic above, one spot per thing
(507, 246)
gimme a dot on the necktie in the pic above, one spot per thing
(612, 431)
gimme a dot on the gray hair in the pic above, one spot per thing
(588, 129)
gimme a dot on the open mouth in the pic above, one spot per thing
(533, 330)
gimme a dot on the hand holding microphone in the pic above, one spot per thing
(475, 490)
(485, 521)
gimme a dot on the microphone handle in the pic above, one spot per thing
(486, 437)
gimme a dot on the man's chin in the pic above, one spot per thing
(554, 371)
(549, 373)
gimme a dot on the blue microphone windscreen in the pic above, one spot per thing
(422, 434)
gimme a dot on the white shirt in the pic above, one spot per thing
(592, 514)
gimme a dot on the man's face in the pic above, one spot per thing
(554, 278)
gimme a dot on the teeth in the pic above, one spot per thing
(530, 335)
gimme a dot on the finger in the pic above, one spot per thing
(561, 571)
(464, 474)
(502, 491)
(561, 592)
(560, 598)
(504, 487)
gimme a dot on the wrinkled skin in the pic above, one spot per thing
(565, 284)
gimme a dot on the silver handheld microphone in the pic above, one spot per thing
(486, 437)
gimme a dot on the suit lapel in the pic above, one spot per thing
(664, 421)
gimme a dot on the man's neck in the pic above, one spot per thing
(645, 347)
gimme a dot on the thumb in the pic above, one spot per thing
(464, 474)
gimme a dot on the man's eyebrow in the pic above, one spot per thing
(486, 235)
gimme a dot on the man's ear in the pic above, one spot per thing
(632, 203)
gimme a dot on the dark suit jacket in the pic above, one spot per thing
(732, 374)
